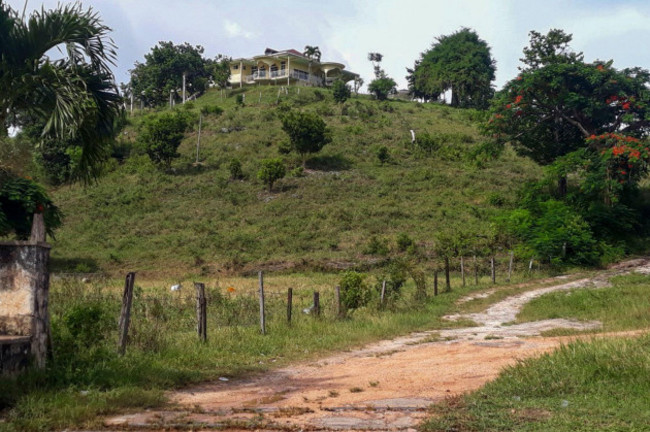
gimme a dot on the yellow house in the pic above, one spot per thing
(286, 67)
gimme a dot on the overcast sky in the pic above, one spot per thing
(346, 31)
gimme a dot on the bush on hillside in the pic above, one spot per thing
(161, 135)
(341, 91)
(307, 132)
(355, 293)
(270, 171)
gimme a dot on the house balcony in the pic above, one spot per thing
(282, 74)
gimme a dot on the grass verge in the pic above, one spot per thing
(602, 385)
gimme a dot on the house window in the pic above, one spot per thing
(235, 67)
(283, 66)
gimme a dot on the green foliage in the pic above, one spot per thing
(404, 241)
(163, 69)
(234, 167)
(212, 109)
(219, 70)
(552, 48)
(460, 62)
(74, 98)
(383, 154)
(355, 293)
(376, 246)
(161, 135)
(270, 171)
(583, 99)
(555, 233)
(382, 87)
(20, 198)
(239, 99)
(395, 274)
(307, 132)
(341, 91)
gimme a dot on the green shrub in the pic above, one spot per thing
(234, 167)
(161, 135)
(341, 91)
(298, 172)
(383, 155)
(376, 247)
(270, 171)
(354, 290)
(382, 87)
(240, 99)
(404, 242)
(212, 109)
(307, 132)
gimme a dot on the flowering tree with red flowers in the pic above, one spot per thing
(617, 162)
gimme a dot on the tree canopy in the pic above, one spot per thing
(163, 69)
(460, 62)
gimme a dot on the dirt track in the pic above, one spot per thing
(384, 386)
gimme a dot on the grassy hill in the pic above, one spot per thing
(345, 208)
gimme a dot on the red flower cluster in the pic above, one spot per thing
(518, 99)
(600, 67)
(626, 106)
(612, 98)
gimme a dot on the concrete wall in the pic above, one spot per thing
(24, 289)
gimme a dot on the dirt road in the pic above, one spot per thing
(384, 386)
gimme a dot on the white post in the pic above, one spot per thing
(288, 70)
(184, 74)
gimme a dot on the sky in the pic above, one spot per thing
(347, 30)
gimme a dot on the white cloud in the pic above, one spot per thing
(234, 30)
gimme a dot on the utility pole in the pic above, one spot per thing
(184, 78)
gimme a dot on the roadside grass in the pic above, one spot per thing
(87, 379)
(625, 305)
(602, 385)
(346, 209)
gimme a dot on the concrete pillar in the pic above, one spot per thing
(24, 291)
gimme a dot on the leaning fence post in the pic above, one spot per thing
(289, 304)
(316, 303)
(201, 311)
(339, 306)
(383, 292)
(475, 271)
(125, 315)
(262, 316)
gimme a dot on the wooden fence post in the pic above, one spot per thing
(383, 292)
(530, 266)
(339, 306)
(125, 315)
(289, 304)
(201, 311)
(512, 256)
(475, 271)
(262, 316)
(462, 269)
(447, 282)
(494, 276)
(316, 303)
(435, 282)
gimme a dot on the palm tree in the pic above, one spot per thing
(75, 97)
(312, 52)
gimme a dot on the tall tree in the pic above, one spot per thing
(559, 101)
(382, 85)
(460, 62)
(312, 53)
(163, 70)
(552, 48)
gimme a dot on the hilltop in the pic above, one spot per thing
(346, 207)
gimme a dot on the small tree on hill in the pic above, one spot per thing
(307, 132)
(382, 85)
(270, 171)
(341, 91)
(162, 135)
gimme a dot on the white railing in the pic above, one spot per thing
(302, 76)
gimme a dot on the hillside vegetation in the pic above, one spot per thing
(345, 208)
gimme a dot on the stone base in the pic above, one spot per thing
(15, 354)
